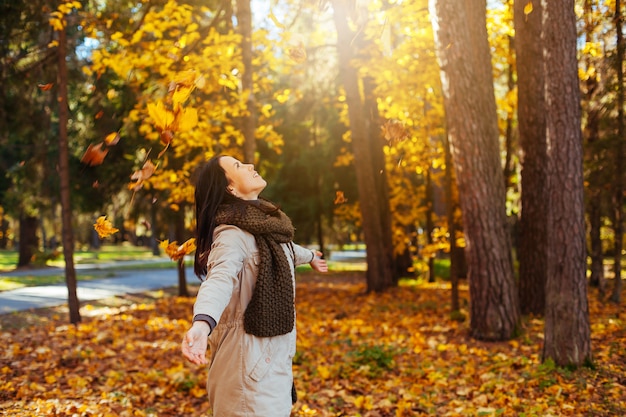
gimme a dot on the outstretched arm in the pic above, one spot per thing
(318, 263)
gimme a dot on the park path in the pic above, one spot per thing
(114, 282)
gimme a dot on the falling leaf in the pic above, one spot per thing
(142, 175)
(45, 87)
(112, 139)
(163, 118)
(297, 53)
(99, 114)
(176, 252)
(528, 8)
(394, 132)
(104, 227)
(339, 198)
(188, 119)
(94, 155)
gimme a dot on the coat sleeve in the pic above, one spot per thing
(223, 267)
(302, 255)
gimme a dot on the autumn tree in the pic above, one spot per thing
(370, 175)
(618, 177)
(531, 113)
(248, 122)
(567, 332)
(64, 170)
(464, 55)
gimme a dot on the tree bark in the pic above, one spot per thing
(64, 174)
(379, 265)
(244, 25)
(467, 80)
(533, 250)
(567, 331)
(450, 209)
(591, 137)
(181, 237)
(618, 182)
(28, 240)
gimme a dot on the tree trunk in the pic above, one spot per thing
(372, 118)
(180, 238)
(597, 278)
(450, 209)
(533, 250)
(4, 228)
(430, 224)
(244, 25)
(591, 134)
(64, 174)
(154, 228)
(467, 80)
(618, 183)
(379, 266)
(567, 331)
(28, 240)
(508, 136)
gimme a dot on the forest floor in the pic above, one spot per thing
(393, 354)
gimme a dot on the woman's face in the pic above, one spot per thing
(244, 181)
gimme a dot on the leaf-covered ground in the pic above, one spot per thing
(395, 354)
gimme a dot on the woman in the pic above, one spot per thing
(245, 305)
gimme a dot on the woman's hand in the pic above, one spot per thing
(318, 263)
(195, 343)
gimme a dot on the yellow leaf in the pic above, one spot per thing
(323, 372)
(112, 138)
(176, 252)
(528, 8)
(180, 96)
(162, 117)
(188, 119)
(104, 227)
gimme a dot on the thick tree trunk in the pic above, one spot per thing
(372, 117)
(467, 80)
(533, 250)
(379, 265)
(244, 25)
(618, 182)
(567, 331)
(64, 174)
(28, 240)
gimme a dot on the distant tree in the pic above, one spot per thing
(533, 250)
(373, 203)
(466, 73)
(595, 142)
(567, 332)
(64, 175)
(248, 120)
(618, 177)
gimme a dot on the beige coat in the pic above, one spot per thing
(248, 375)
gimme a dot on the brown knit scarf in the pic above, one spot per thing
(271, 311)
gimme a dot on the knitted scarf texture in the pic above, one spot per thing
(271, 311)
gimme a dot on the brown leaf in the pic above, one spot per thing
(94, 155)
